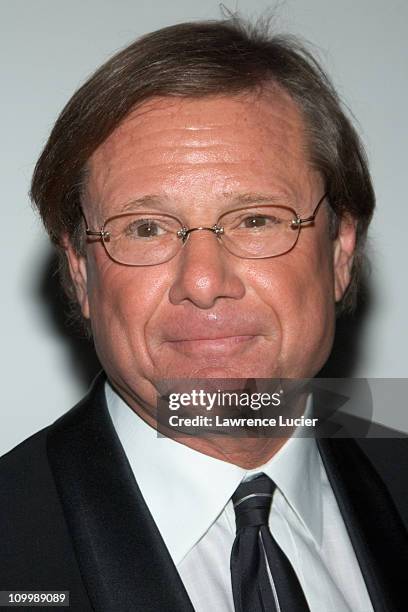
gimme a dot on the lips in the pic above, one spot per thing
(212, 332)
(211, 347)
(211, 325)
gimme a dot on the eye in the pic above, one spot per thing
(144, 228)
(257, 221)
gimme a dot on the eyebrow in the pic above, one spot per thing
(259, 198)
(146, 200)
(233, 200)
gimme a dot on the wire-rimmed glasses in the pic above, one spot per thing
(146, 238)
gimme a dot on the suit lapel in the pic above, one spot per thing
(123, 560)
(376, 531)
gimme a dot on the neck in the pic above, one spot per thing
(248, 453)
(242, 450)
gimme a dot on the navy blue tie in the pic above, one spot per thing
(263, 579)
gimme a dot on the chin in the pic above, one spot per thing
(215, 369)
(220, 372)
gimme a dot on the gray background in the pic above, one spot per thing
(48, 47)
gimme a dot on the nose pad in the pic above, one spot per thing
(205, 271)
(184, 233)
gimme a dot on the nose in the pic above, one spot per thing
(205, 272)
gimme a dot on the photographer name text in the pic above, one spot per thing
(218, 421)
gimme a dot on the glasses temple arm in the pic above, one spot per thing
(312, 217)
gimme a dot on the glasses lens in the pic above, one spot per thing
(142, 239)
(258, 232)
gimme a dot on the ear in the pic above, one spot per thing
(343, 255)
(77, 270)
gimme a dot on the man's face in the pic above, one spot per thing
(207, 313)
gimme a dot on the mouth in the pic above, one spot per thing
(212, 346)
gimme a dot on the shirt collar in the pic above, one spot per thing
(186, 490)
(296, 471)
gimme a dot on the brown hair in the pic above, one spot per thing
(195, 60)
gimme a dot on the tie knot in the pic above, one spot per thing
(252, 502)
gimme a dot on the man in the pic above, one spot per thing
(209, 199)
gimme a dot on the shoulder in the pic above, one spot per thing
(375, 468)
(36, 547)
(389, 457)
(23, 470)
(32, 527)
(26, 482)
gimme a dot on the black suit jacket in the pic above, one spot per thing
(72, 517)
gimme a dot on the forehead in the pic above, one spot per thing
(218, 144)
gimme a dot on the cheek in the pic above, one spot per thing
(299, 293)
(122, 302)
(294, 285)
(312, 306)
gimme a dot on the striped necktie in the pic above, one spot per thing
(263, 579)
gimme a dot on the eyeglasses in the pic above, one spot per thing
(150, 238)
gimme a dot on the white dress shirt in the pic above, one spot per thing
(189, 496)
